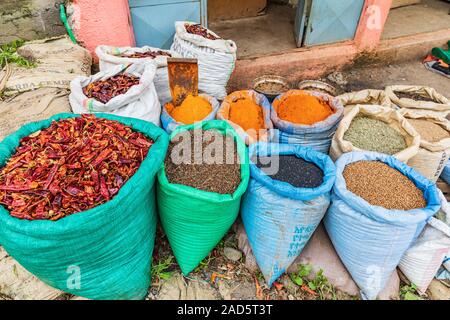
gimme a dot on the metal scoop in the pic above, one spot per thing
(183, 78)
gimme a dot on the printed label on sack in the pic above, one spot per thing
(299, 239)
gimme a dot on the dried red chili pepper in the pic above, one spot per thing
(105, 90)
(73, 165)
(147, 54)
(199, 30)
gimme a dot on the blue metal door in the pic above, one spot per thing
(330, 21)
(153, 20)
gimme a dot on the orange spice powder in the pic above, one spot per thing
(191, 110)
(247, 114)
(302, 109)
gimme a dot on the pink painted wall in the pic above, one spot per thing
(371, 24)
(102, 22)
(109, 22)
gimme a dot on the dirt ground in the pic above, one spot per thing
(356, 77)
(223, 275)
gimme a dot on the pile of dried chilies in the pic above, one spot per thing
(105, 90)
(200, 31)
(74, 165)
(147, 54)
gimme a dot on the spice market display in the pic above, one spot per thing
(428, 130)
(242, 184)
(72, 166)
(293, 170)
(146, 54)
(199, 30)
(221, 177)
(191, 110)
(303, 109)
(374, 135)
(105, 90)
(381, 185)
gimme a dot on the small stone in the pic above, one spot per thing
(438, 290)
(176, 288)
(232, 254)
(338, 78)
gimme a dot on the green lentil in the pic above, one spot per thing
(374, 135)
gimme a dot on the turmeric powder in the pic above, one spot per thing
(191, 110)
(302, 109)
(247, 114)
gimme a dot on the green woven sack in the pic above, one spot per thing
(101, 253)
(196, 220)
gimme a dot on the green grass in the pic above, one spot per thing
(319, 283)
(8, 55)
(408, 292)
(159, 270)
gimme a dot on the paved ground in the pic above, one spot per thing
(429, 15)
(359, 77)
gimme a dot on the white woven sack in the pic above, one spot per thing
(424, 258)
(432, 157)
(111, 56)
(140, 101)
(216, 58)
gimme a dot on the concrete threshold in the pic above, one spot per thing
(310, 63)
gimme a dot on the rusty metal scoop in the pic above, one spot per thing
(183, 78)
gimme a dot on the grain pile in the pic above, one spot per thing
(381, 185)
(428, 130)
(302, 109)
(191, 110)
(413, 96)
(374, 135)
(210, 161)
(247, 114)
(293, 170)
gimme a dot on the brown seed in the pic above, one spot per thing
(214, 171)
(429, 131)
(381, 185)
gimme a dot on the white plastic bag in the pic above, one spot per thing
(140, 101)
(440, 107)
(216, 58)
(366, 97)
(390, 116)
(424, 258)
(112, 56)
(432, 157)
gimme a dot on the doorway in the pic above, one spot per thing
(268, 33)
(285, 25)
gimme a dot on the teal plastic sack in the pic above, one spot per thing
(101, 253)
(318, 135)
(371, 240)
(196, 220)
(279, 218)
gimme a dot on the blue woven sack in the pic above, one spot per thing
(279, 218)
(317, 136)
(370, 240)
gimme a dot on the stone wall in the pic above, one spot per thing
(29, 19)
